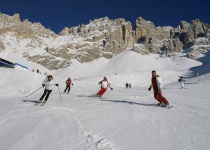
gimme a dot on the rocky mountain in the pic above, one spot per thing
(100, 38)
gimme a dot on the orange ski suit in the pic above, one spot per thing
(157, 93)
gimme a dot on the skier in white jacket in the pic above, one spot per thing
(181, 80)
(48, 83)
(104, 85)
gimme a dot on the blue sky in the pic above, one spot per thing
(67, 13)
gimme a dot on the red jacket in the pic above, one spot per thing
(154, 83)
(68, 82)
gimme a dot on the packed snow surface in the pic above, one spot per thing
(123, 119)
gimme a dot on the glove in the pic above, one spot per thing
(43, 85)
(111, 88)
(149, 89)
(56, 85)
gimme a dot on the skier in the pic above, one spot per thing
(68, 84)
(48, 84)
(126, 85)
(104, 85)
(157, 87)
(181, 80)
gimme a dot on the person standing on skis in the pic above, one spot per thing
(68, 85)
(104, 85)
(48, 84)
(181, 80)
(157, 88)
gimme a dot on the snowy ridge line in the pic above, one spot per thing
(122, 73)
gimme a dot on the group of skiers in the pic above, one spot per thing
(127, 85)
(48, 83)
(156, 84)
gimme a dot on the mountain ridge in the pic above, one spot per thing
(100, 38)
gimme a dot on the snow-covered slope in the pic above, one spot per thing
(131, 67)
(124, 119)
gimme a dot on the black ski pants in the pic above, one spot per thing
(67, 88)
(47, 93)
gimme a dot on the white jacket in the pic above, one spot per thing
(105, 84)
(48, 84)
(159, 83)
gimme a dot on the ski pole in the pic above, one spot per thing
(34, 92)
(99, 87)
(59, 93)
(107, 93)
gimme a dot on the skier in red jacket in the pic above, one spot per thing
(157, 88)
(68, 84)
(104, 85)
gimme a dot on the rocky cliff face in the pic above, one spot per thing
(13, 32)
(24, 29)
(2, 46)
(101, 38)
(169, 40)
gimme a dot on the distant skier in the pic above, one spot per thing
(104, 85)
(157, 87)
(128, 85)
(181, 80)
(68, 85)
(48, 84)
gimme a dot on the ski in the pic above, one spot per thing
(37, 103)
(169, 107)
(42, 104)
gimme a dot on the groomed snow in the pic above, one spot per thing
(124, 119)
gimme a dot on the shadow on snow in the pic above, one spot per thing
(128, 102)
(30, 101)
(204, 68)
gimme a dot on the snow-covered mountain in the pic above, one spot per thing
(100, 38)
(123, 119)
